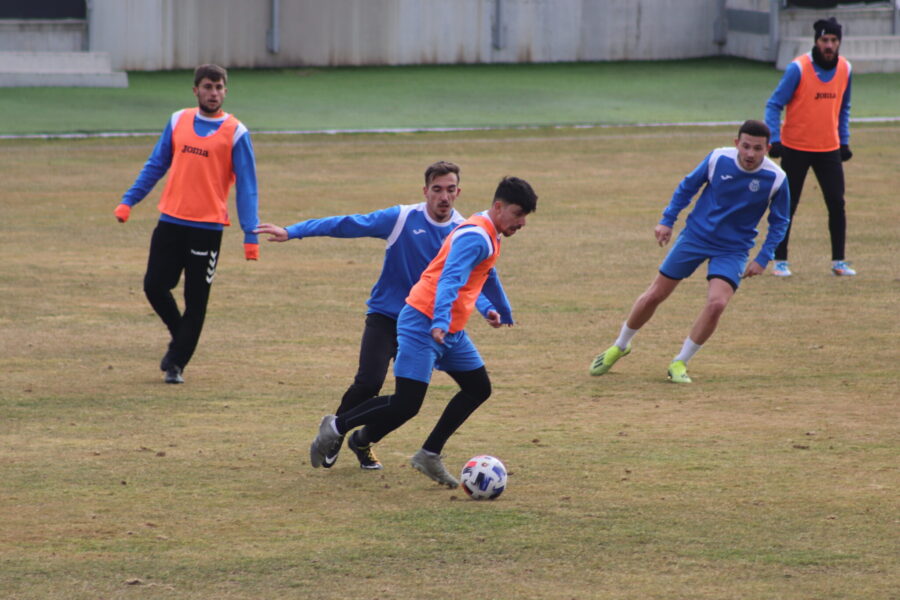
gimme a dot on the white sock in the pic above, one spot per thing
(334, 427)
(625, 336)
(688, 350)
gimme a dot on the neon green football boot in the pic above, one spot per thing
(605, 360)
(678, 372)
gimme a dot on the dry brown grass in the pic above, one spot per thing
(773, 476)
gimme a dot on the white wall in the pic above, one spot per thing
(170, 34)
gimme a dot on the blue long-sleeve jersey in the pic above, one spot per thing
(783, 93)
(413, 239)
(470, 247)
(732, 203)
(243, 164)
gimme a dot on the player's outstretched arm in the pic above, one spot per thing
(275, 233)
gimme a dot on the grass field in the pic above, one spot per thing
(775, 475)
(718, 89)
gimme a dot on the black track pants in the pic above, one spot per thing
(384, 414)
(830, 173)
(378, 347)
(175, 249)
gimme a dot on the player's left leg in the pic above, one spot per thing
(377, 348)
(464, 364)
(681, 261)
(719, 292)
(199, 272)
(830, 173)
(475, 388)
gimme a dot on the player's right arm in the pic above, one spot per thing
(467, 251)
(780, 98)
(378, 224)
(683, 194)
(156, 166)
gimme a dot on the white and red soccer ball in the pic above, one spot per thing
(483, 477)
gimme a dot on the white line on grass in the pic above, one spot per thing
(127, 134)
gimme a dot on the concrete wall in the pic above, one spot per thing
(171, 34)
(34, 35)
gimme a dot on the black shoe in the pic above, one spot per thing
(173, 374)
(331, 455)
(365, 455)
(165, 363)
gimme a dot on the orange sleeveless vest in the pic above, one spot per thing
(422, 295)
(201, 174)
(811, 117)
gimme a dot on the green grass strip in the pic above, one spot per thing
(613, 93)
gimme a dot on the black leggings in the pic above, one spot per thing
(378, 347)
(384, 414)
(173, 249)
(830, 172)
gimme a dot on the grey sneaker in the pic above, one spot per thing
(173, 374)
(332, 455)
(324, 441)
(431, 465)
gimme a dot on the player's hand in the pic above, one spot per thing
(493, 319)
(275, 233)
(663, 234)
(846, 154)
(438, 335)
(753, 269)
(775, 150)
(251, 251)
(122, 212)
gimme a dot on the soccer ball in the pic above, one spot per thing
(483, 477)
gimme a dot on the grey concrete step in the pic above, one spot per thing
(856, 20)
(68, 69)
(868, 54)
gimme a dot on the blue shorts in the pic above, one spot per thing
(418, 354)
(687, 253)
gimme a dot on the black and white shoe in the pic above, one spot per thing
(332, 455)
(365, 454)
(324, 441)
(173, 374)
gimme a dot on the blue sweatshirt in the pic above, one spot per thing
(413, 240)
(243, 164)
(732, 203)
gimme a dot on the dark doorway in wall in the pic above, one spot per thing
(44, 9)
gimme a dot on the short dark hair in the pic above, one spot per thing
(756, 129)
(513, 190)
(441, 167)
(211, 72)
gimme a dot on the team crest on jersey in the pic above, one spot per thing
(754, 185)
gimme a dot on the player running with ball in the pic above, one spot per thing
(431, 334)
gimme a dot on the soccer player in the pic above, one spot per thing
(739, 184)
(207, 150)
(414, 234)
(431, 334)
(815, 89)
